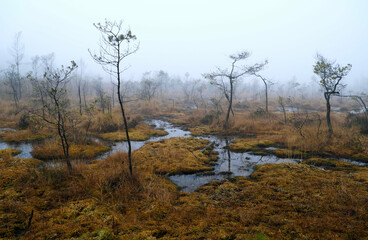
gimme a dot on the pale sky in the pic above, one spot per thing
(196, 36)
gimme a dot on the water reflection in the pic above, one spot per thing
(25, 148)
(230, 164)
(172, 131)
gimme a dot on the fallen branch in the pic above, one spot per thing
(194, 155)
(208, 146)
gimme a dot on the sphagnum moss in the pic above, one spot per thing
(141, 132)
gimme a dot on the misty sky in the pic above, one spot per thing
(195, 36)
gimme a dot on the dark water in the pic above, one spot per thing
(229, 164)
(26, 148)
(159, 124)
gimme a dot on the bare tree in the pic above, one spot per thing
(266, 82)
(331, 75)
(57, 106)
(38, 86)
(79, 82)
(17, 52)
(115, 46)
(101, 94)
(149, 87)
(190, 90)
(282, 104)
(361, 103)
(11, 80)
(219, 77)
(85, 88)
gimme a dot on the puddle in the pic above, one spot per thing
(357, 111)
(7, 129)
(158, 124)
(271, 148)
(354, 162)
(240, 164)
(295, 109)
(229, 164)
(26, 148)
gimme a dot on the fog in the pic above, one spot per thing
(194, 37)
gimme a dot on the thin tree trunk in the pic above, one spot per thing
(19, 82)
(230, 105)
(266, 96)
(80, 99)
(84, 97)
(125, 123)
(113, 96)
(64, 139)
(328, 113)
(15, 97)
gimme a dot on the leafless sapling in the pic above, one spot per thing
(266, 82)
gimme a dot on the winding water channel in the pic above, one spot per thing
(229, 163)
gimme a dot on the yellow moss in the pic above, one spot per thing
(50, 151)
(12, 169)
(24, 135)
(292, 201)
(363, 157)
(202, 130)
(283, 201)
(288, 153)
(141, 132)
(249, 144)
(174, 155)
(331, 164)
(9, 152)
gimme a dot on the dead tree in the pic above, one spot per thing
(360, 102)
(224, 79)
(79, 82)
(17, 52)
(115, 46)
(101, 94)
(11, 77)
(282, 104)
(266, 82)
(148, 86)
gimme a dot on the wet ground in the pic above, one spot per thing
(229, 164)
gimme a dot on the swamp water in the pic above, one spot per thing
(25, 148)
(240, 164)
(229, 164)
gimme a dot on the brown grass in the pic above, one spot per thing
(9, 152)
(24, 135)
(141, 132)
(174, 155)
(283, 201)
(53, 150)
(250, 144)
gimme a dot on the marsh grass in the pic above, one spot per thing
(51, 150)
(278, 201)
(140, 132)
(6, 153)
(25, 135)
(175, 156)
